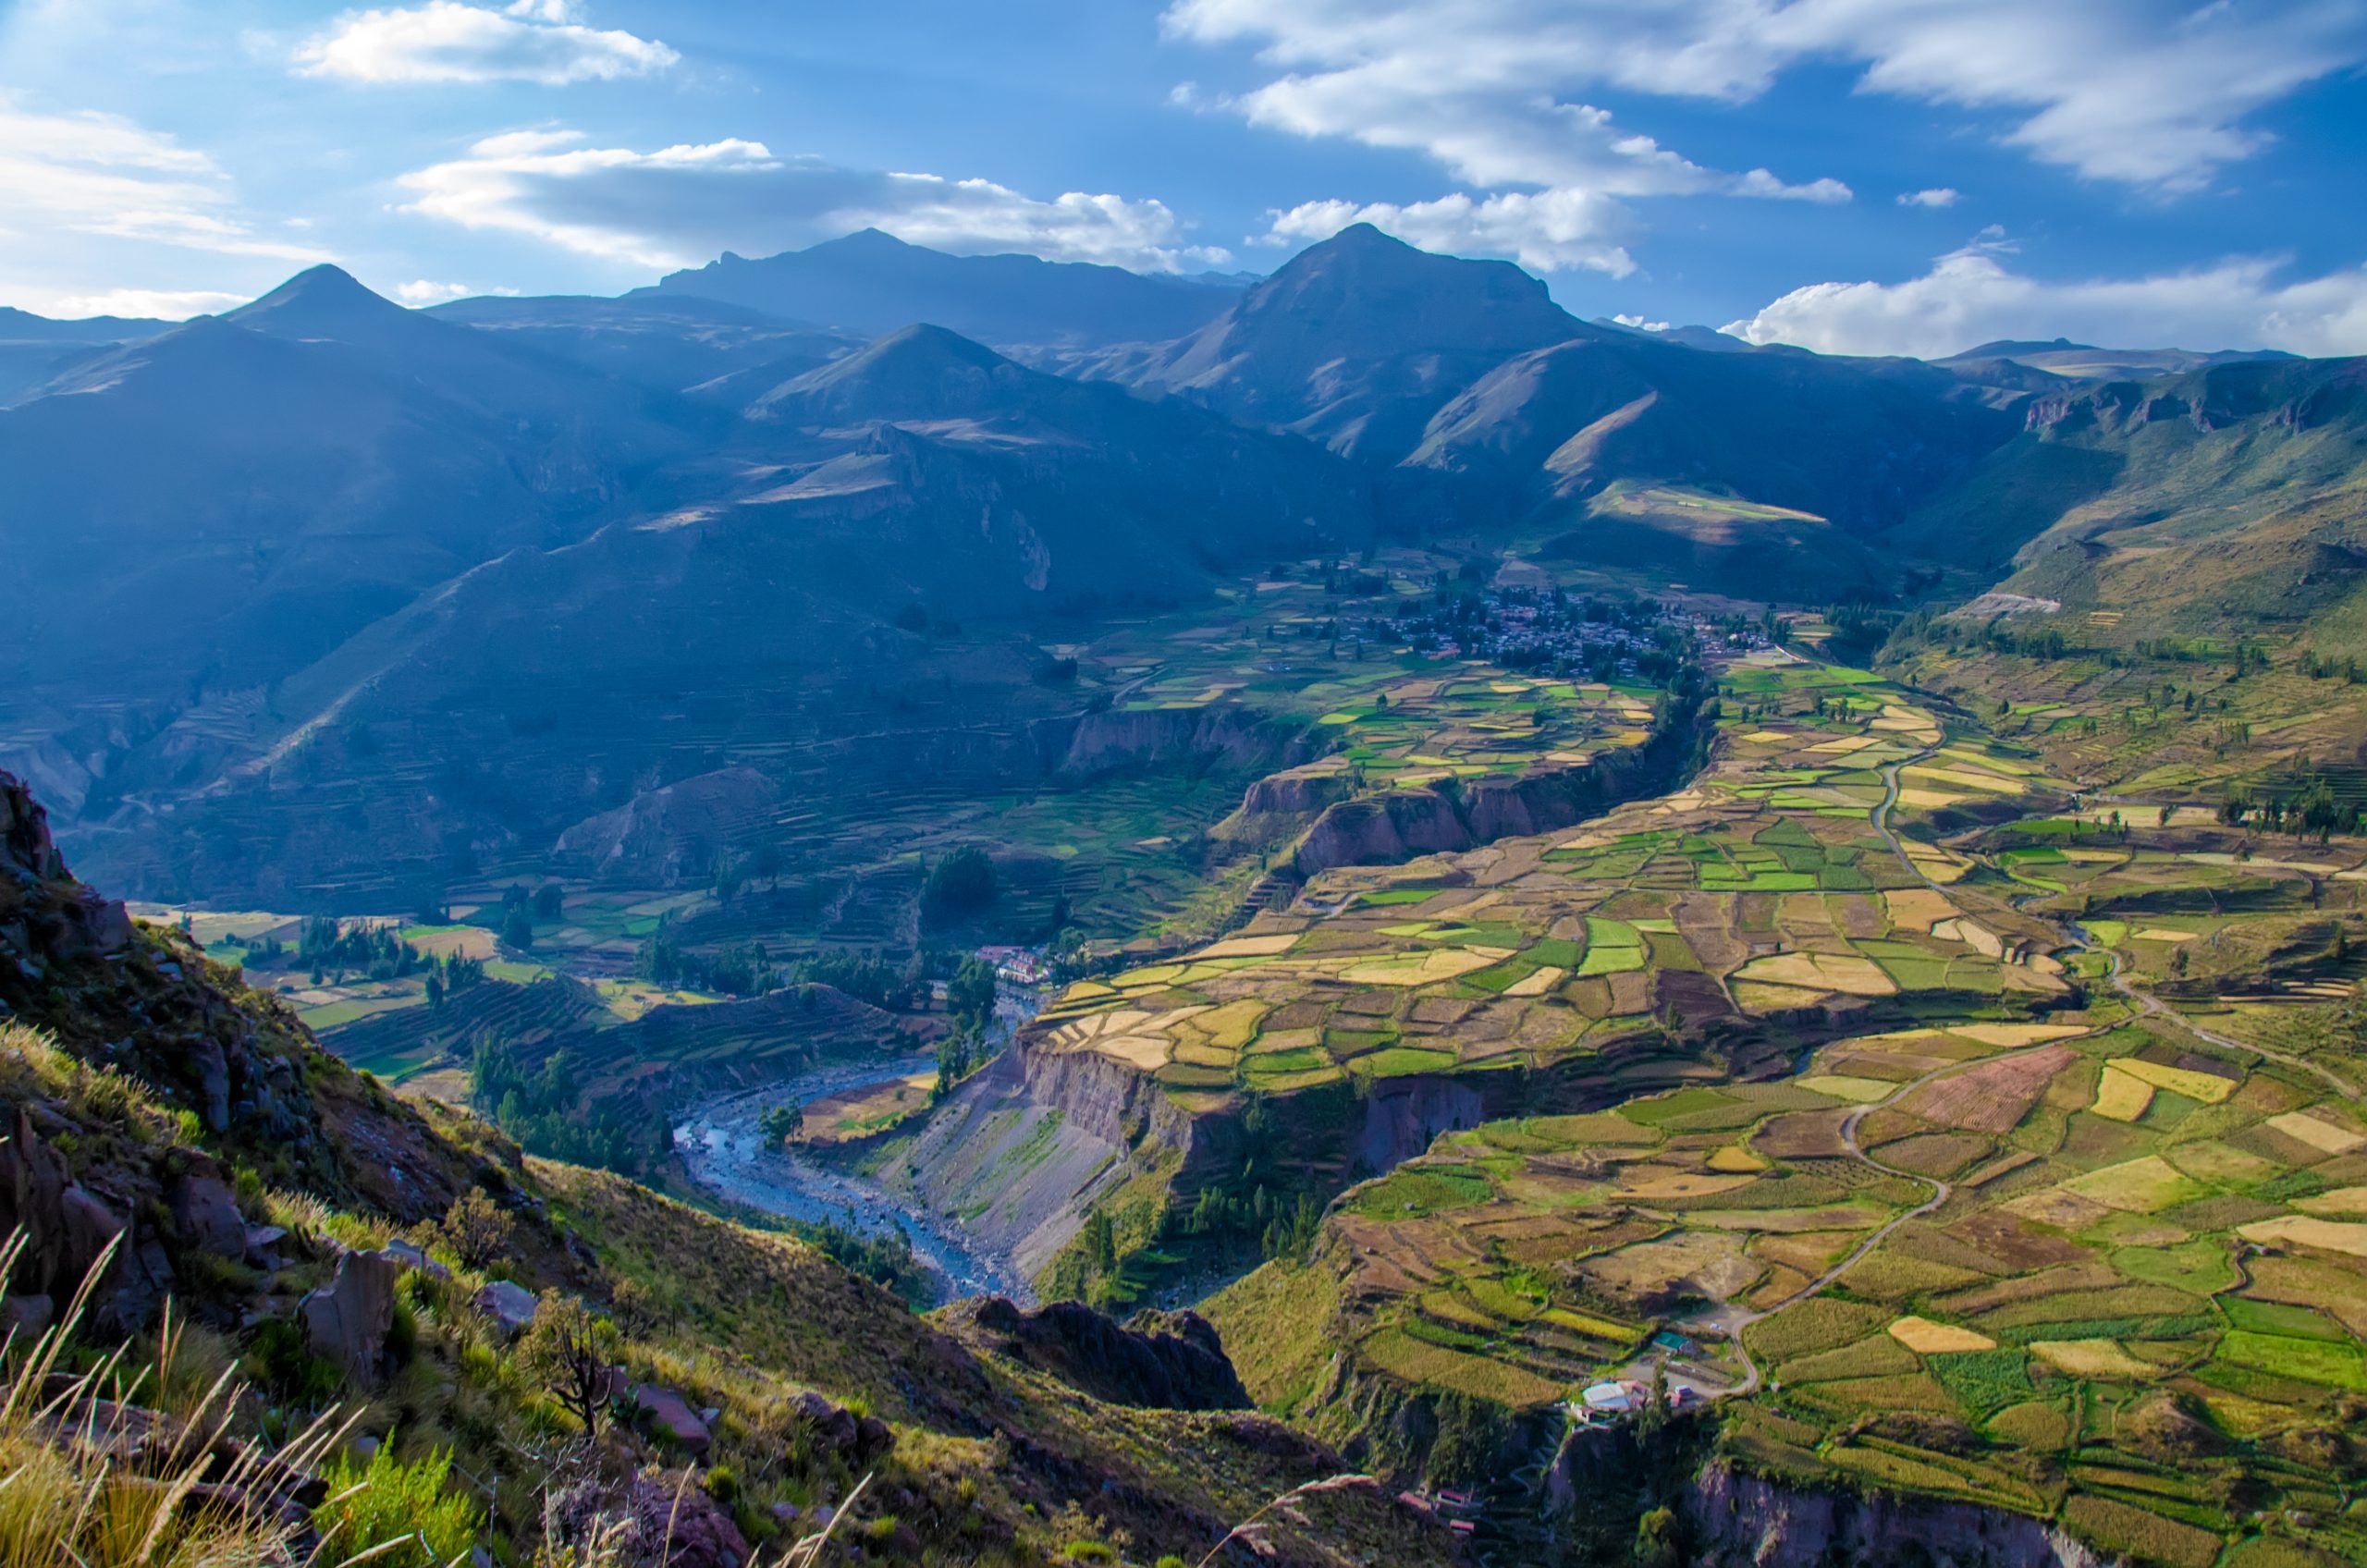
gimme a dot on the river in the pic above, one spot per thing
(726, 1152)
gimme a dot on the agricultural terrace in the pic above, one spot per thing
(1764, 890)
(2106, 1265)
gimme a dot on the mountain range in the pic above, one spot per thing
(239, 537)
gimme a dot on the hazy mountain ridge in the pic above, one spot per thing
(869, 282)
(323, 509)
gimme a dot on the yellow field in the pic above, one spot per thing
(2322, 1135)
(2137, 1186)
(2121, 1095)
(1832, 972)
(1862, 1091)
(1926, 1338)
(2093, 1358)
(2208, 1087)
(2328, 1235)
(2342, 1200)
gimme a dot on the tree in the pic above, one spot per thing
(960, 885)
(783, 1123)
(970, 995)
(729, 878)
(548, 901)
(767, 862)
(1657, 1541)
(953, 1059)
(569, 1351)
(518, 928)
(1101, 1245)
(476, 1229)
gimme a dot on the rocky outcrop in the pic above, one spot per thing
(46, 917)
(855, 1439)
(1397, 825)
(347, 1320)
(1165, 1360)
(146, 1002)
(651, 1520)
(1404, 1115)
(1742, 1521)
(68, 1229)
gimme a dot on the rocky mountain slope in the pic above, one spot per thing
(324, 1240)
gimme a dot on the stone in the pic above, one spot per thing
(509, 1305)
(859, 1439)
(25, 1316)
(206, 1215)
(347, 1320)
(671, 1415)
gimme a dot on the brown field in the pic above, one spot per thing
(1934, 1153)
(1992, 1097)
(1807, 1134)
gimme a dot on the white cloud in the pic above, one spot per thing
(157, 304)
(423, 292)
(1639, 324)
(678, 206)
(538, 41)
(1495, 90)
(1972, 296)
(97, 173)
(1548, 232)
(1938, 196)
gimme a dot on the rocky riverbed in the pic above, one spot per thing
(725, 1151)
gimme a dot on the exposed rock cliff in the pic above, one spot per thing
(1745, 1521)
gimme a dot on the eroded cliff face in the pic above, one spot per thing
(1024, 1149)
(1745, 1521)
(1314, 806)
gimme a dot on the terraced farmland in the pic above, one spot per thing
(1761, 892)
(2012, 1230)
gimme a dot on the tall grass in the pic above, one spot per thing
(68, 1501)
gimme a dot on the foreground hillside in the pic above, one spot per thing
(210, 1155)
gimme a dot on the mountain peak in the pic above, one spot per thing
(916, 371)
(877, 241)
(322, 300)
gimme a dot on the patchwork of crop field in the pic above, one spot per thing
(1763, 890)
(2091, 1259)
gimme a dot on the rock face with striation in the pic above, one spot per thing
(1745, 1521)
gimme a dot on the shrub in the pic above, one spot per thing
(476, 1229)
(391, 1502)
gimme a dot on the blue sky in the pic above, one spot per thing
(1859, 176)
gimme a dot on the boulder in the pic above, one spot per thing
(652, 1520)
(670, 1415)
(205, 1213)
(511, 1305)
(347, 1320)
(856, 1438)
(681, 1526)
